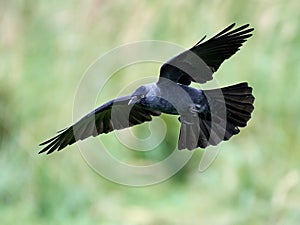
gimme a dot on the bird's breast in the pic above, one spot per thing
(159, 104)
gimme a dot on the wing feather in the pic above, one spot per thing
(115, 114)
(200, 62)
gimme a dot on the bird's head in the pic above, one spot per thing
(139, 94)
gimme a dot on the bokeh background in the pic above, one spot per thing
(46, 46)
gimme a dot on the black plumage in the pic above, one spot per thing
(207, 117)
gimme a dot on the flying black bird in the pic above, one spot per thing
(207, 116)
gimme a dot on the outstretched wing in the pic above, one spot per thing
(201, 61)
(113, 115)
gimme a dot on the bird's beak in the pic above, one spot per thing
(133, 100)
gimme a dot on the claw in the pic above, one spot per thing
(195, 108)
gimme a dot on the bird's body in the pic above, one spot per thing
(171, 100)
(207, 117)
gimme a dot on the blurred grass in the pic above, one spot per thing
(47, 46)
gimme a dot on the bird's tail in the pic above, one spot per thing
(229, 108)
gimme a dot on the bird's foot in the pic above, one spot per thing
(195, 108)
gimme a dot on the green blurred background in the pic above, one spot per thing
(46, 46)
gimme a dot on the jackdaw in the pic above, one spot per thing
(207, 116)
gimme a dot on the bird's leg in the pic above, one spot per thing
(192, 116)
(196, 108)
(201, 111)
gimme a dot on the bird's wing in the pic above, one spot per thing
(202, 60)
(113, 115)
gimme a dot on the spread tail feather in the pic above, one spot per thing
(229, 108)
